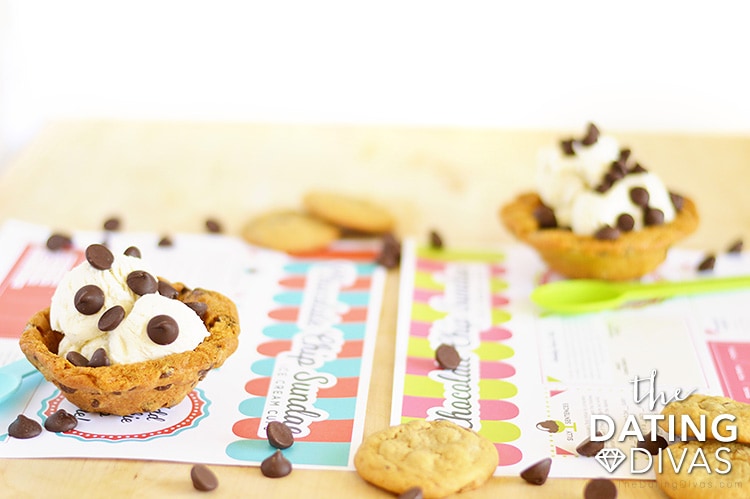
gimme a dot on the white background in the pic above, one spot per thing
(650, 65)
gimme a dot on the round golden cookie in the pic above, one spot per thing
(290, 231)
(695, 482)
(146, 386)
(630, 256)
(440, 457)
(711, 407)
(349, 212)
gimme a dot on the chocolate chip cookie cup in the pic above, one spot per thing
(124, 389)
(630, 256)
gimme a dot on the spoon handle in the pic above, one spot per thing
(20, 368)
(674, 288)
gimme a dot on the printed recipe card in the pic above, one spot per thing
(308, 326)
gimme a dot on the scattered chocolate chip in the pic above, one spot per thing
(588, 448)
(111, 318)
(412, 493)
(567, 147)
(600, 488)
(736, 247)
(99, 256)
(165, 241)
(213, 226)
(203, 478)
(279, 435)
(390, 253)
(677, 201)
(59, 241)
(198, 307)
(592, 135)
(167, 290)
(60, 421)
(76, 359)
(639, 196)
(653, 216)
(142, 283)
(707, 263)
(607, 233)
(162, 329)
(24, 427)
(625, 222)
(99, 358)
(545, 217)
(89, 299)
(653, 446)
(436, 242)
(276, 465)
(537, 473)
(112, 224)
(133, 251)
(447, 357)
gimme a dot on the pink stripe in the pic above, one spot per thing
(495, 334)
(430, 265)
(499, 301)
(420, 329)
(509, 454)
(495, 370)
(424, 295)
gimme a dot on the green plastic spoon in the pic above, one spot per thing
(589, 295)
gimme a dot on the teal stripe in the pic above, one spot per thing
(286, 331)
(337, 408)
(320, 453)
(304, 267)
(352, 298)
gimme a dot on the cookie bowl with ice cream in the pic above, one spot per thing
(597, 212)
(118, 340)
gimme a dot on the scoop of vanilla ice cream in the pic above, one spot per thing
(81, 331)
(568, 184)
(130, 341)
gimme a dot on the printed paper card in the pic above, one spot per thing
(308, 327)
(536, 384)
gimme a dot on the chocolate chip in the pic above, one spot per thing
(142, 283)
(537, 473)
(617, 170)
(653, 216)
(203, 478)
(639, 196)
(625, 222)
(89, 299)
(545, 217)
(133, 251)
(165, 241)
(624, 155)
(653, 446)
(390, 253)
(99, 358)
(279, 435)
(167, 290)
(736, 247)
(592, 135)
(567, 147)
(436, 242)
(637, 168)
(677, 201)
(111, 318)
(707, 263)
(588, 448)
(99, 256)
(162, 329)
(112, 224)
(447, 357)
(198, 307)
(59, 241)
(24, 427)
(604, 186)
(276, 465)
(607, 233)
(76, 359)
(60, 421)
(412, 493)
(213, 226)
(600, 488)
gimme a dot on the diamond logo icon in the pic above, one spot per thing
(610, 459)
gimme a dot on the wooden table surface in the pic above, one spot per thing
(169, 177)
